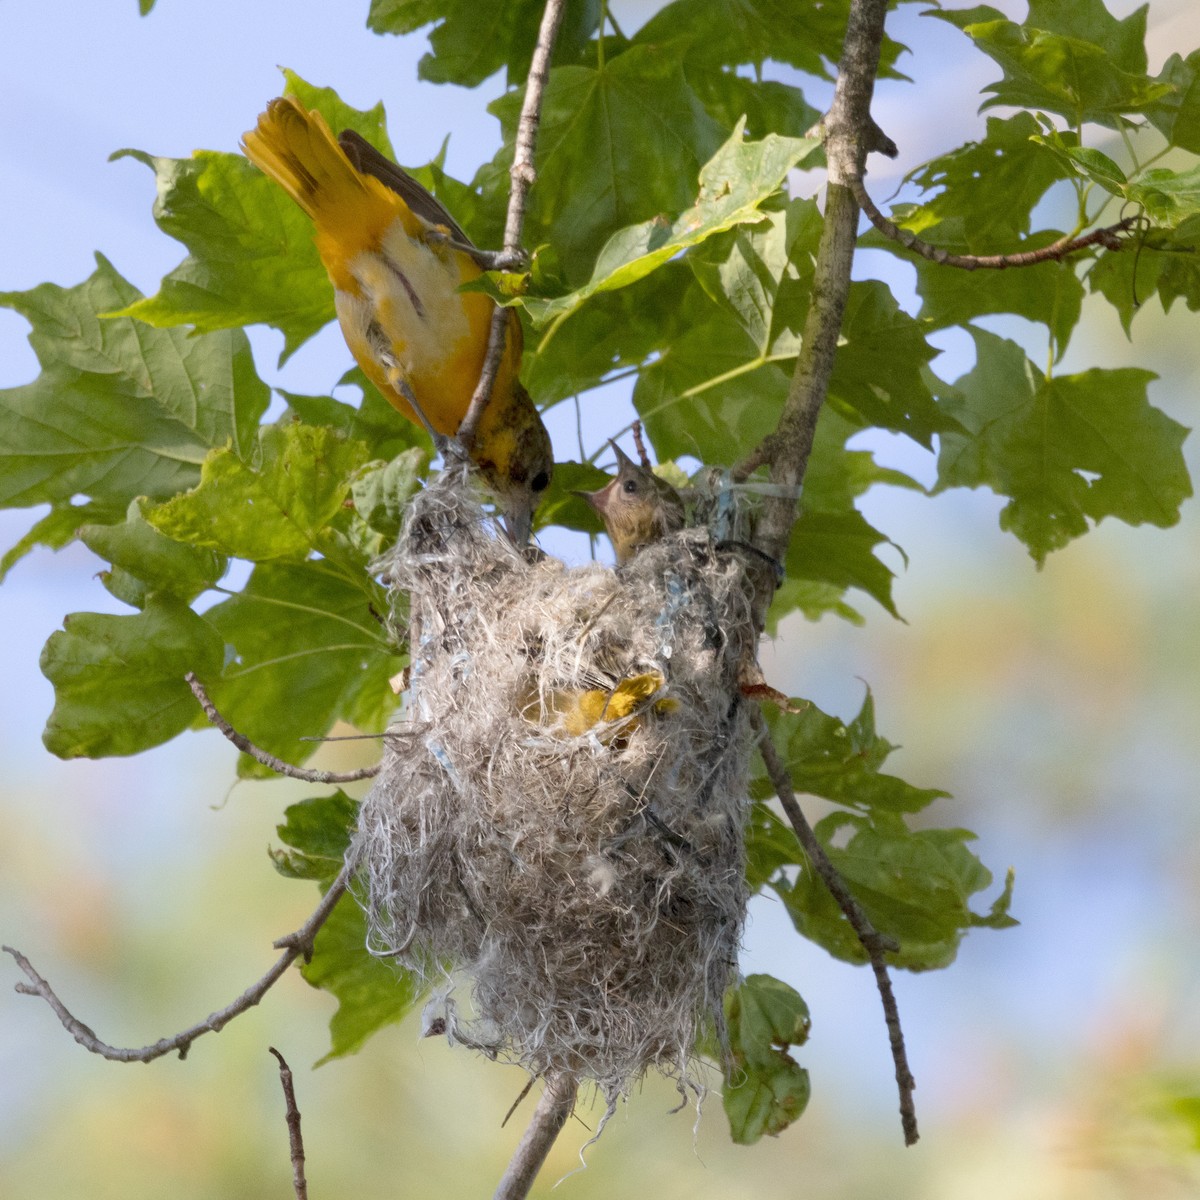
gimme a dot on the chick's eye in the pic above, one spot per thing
(631, 486)
(540, 482)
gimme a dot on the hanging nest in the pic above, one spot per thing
(559, 815)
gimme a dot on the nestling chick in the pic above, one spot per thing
(637, 507)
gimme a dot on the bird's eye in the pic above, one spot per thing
(631, 486)
(540, 481)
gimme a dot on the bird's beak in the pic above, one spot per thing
(623, 459)
(599, 500)
(518, 523)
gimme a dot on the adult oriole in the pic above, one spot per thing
(396, 258)
(636, 507)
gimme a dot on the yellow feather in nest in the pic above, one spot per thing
(574, 712)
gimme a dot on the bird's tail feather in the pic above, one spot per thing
(297, 149)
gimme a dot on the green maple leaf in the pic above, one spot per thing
(914, 885)
(150, 563)
(1066, 451)
(120, 409)
(119, 680)
(733, 33)
(989, 188)
(1177, 115)
(765, 1088)
(1166, 262)
(306, 649)
(841, 762)
(275, 507)
(470, 41)
(1072, 59)
(734, 183)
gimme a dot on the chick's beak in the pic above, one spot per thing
(623, 459)
(600, 500)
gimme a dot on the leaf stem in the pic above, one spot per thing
(1133, 158)
(743, 369)
(1156, 156)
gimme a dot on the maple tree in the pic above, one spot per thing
(676, 239)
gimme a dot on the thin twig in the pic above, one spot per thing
(244, 744)
(640, 445)
(1108, 237)
(550, 1115)
(295, 1137)
(522, 174)
(295, 945)
(873, 942)
(512, 1108)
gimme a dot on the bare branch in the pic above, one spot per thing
(873, 942)
(244, 744)
(549, 1117)
(849, 134)
(523, 175)
(295, 945)
(1108, 237)
(295, 1138)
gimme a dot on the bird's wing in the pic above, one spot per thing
(418, 198)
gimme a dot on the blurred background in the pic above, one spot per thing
(1059, 1059)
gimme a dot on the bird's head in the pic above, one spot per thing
(516, 460)
(636, 507)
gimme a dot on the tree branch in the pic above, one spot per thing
(873, 942)
(244, 744)
(850, 134)
(523, 175)
(549, 1117)
(295, 1137)
(1108, 237)
(294, 944)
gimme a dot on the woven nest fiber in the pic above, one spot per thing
(558, 821)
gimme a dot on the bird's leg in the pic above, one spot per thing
(450, 448)
(395, 378)
(489, 260)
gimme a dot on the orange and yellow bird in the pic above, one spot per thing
(637, 507)
(396, 259)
